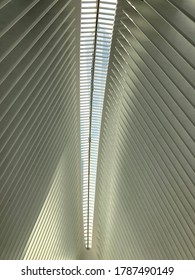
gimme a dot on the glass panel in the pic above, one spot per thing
(90, 137)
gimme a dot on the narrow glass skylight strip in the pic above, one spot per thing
(93, 86)
(86, 58)
(103, 44)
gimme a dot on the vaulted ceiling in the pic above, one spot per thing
(117, 131)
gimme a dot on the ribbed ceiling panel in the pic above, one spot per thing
(40, 189)
(145, 200)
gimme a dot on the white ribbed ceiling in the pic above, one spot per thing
(144, 152)
(145, 193)
(40, 180)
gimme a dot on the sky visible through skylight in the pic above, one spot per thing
(90, 138)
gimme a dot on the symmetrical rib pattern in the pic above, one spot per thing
(145, 193)
(145, 187)
(40, 187)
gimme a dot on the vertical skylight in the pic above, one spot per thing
(97, 19)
